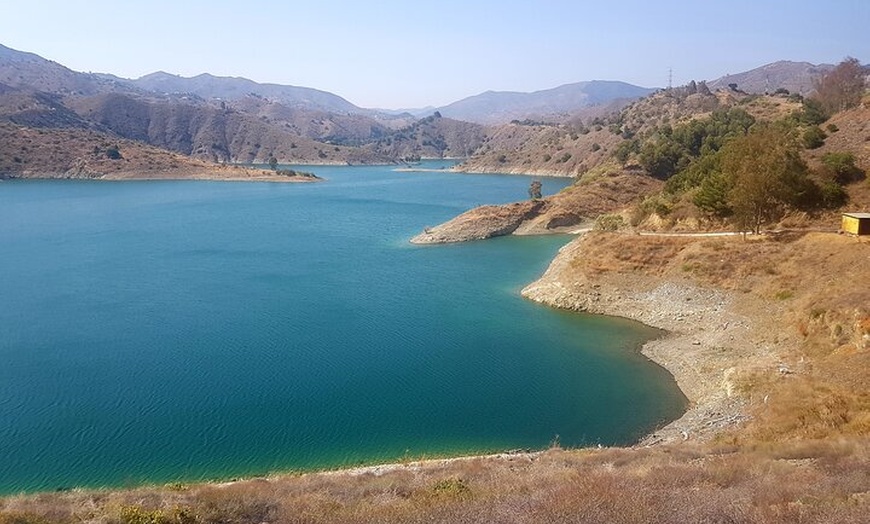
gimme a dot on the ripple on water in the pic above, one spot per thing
(199, 330)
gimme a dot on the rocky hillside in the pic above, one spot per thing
(212, 132)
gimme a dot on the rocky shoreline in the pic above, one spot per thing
(708, 340)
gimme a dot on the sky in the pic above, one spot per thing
(415, 53)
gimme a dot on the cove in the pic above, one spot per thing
(166, 331)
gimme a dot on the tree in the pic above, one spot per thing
(841, 88)
(273, 163)
(535, 190)
(766, 174)
(712, 195)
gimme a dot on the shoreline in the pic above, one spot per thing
(167, 175)
(705, 346)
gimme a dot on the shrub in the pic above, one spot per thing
(625, 149)
(452, 488)
(611, 222)
(841, 167)
(814, 137)
(833, 195)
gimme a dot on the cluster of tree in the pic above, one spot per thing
(273, 164)
(730, 166)
(673, 150)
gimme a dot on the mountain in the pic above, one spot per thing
(498, 107)
(31, 71)
(796, 77)
(230, 88)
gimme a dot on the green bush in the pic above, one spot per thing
(625, 149)
(814, 137)
(452, 488)
(610, 222)
(841, 167)
(833, 195)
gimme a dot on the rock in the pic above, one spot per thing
(481, 222)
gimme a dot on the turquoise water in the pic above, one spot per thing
(163, 331)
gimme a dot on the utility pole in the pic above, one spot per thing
(670, 78)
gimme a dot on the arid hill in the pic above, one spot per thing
(795, 77)
(500, 107)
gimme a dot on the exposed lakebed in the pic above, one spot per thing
(162, 331)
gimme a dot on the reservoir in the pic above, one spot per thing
(162, 331)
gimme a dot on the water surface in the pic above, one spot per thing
(159, 331)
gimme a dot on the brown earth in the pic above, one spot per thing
(82, 153)
(575, 207)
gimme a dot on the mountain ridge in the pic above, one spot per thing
(494, 107)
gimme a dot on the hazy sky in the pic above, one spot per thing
(413, 53)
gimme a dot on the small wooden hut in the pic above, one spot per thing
(856, 223)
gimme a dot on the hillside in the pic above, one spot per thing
(796, 77)
(231, 88)
(432, 137)
(88, 154)
(498, 107)
(211, 132)
(30, 71)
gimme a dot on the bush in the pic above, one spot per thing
(814, 137)
(841, 167)
(452, 488)
(833, 195)
(625, 149)
(611, 222)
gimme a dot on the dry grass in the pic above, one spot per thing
(809, 298)
(808, 482)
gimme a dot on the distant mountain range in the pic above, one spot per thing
(495, 107)
(238, 120)
(796, 77)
